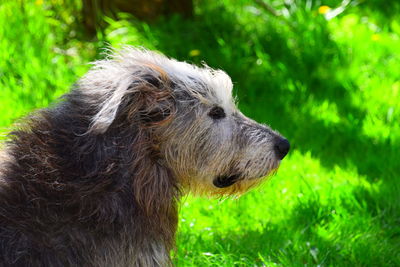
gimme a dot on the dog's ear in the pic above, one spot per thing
(141, 96)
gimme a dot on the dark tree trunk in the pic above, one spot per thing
(147, 10)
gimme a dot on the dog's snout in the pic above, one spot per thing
(281, 147)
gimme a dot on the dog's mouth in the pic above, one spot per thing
(226, 180)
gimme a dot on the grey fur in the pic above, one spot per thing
(95, 180)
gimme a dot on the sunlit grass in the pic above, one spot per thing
(332, 87)
(35, 66)
(307, 214)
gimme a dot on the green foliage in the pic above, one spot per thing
(331, 86)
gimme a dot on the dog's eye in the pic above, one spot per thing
(217, 113)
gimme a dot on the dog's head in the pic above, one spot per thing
(210, 144)
(191, 119)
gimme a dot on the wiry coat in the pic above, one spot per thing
(95, 179)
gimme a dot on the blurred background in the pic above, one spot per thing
(326, 74)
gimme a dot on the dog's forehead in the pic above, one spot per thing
(213, 87)
(221, 89)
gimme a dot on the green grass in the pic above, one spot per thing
(332, 87)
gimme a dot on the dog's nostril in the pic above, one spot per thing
(282, 147)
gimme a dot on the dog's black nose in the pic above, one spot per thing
(282, 147)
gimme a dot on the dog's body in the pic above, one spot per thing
(95, 180)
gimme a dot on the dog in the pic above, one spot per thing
(95, 179)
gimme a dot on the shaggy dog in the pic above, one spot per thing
(95, 179)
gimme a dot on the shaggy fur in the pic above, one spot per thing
(95, 179)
